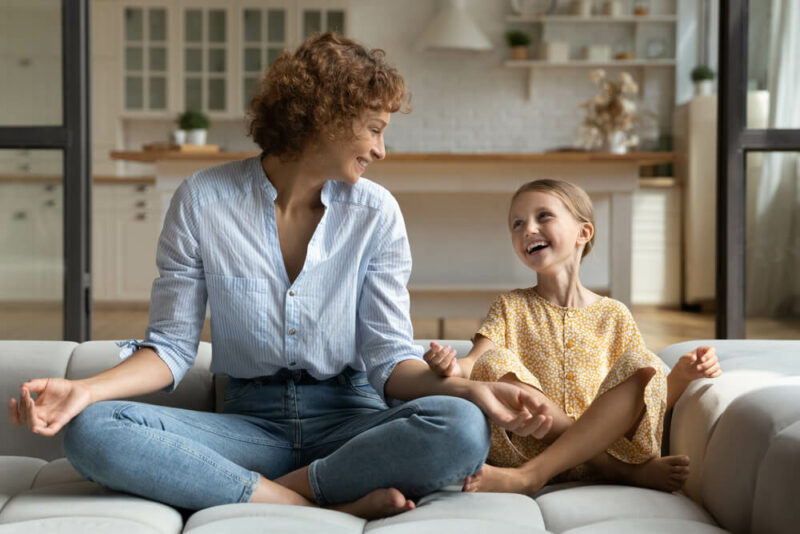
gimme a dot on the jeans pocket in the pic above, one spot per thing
(237, 388)
(358, 384)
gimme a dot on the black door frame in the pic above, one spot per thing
(734, 141)
(73, 138)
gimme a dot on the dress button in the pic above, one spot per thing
(292, 331)
(291, 293)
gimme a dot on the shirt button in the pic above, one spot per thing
(292, 331)
(291, 293)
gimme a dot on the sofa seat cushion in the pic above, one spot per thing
(88, 500)
(650, 526)
(447, 511)
(258, 517)
(578, 506)
(776, 508)
(78, 525)
(18, 474)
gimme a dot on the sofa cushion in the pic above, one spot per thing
(747, 365)
(776, 508)
(21, 361)
(18, 474)
(257, 517)
(650, 526)
(461, 346)
(578, 506)
(89, 500)
(737, 448)
(78, 525)
(447, 511)
(195, 392)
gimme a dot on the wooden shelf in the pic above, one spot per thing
(616, 63)
(599, 19)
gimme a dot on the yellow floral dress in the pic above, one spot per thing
(572, 355)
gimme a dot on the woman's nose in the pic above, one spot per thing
(379, 150)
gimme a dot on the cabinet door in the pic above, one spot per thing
(322, 16)
(136, 228)
(206, 61)
(145, 58)
(264, 34)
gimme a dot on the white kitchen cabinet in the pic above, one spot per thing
(125, 228)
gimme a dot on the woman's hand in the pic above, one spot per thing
(512, 408)
(442, 360)
(57, 402)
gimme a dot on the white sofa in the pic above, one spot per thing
(742, 432)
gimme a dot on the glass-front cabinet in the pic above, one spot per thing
(145, 58)
(208, 54)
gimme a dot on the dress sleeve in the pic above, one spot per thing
(499, 361)
(634, 355)
(383, 328)
(178, 297)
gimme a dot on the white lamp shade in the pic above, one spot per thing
(453, 29)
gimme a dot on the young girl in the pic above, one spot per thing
(603, 395)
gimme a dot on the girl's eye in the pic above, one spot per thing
(516, 224)
(544, 215)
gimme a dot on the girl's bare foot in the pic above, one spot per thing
(376, 504)
(667, 473)
(503, 480)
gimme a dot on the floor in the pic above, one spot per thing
(660, 327)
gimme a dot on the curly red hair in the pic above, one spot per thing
(317, 93)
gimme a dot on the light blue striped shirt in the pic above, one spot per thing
(349, 305)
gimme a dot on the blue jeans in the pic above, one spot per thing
(274, 425)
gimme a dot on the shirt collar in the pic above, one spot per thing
(261, 176)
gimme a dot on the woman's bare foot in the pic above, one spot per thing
(503, 480)
(376, 504)
(667, 473)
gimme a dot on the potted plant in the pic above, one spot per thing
(518, 41)
(703, 78)
(195, 124)
(610, 115)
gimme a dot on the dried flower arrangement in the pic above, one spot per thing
(610, 115)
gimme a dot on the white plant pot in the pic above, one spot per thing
(617, 143)
(704, 87)
(179, 137)
(196, 137)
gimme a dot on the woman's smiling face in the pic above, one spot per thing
(349, 159)
(544, 233)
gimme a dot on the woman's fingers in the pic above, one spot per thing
(15, 412)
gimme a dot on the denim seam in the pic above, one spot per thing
(406, 411)
(211, 430)
(175, 445)
(319, 496)
(250, 488)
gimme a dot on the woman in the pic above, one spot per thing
(304, 266)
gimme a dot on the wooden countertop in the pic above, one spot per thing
(639, 158)
(55, 179)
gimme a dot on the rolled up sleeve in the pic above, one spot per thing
(384, 331)
(178, 297)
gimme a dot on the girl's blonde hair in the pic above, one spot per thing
(574, 198)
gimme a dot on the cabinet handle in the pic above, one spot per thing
(20, 215)
(141, 188)
(50, 203)
(50, 187)
(25, 167)
(141, 216)
(141, 204)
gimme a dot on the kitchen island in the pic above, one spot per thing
(455, 208)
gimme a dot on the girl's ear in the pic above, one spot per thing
(586, 233)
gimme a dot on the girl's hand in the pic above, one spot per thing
(702, 362)
(442, 360)
(512, 408)
(57, 402)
